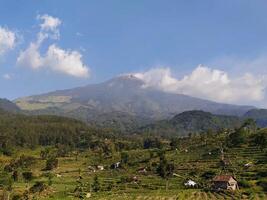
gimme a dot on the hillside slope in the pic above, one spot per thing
(192, 122)
(259, 115)
(124, 94)
(8, 105)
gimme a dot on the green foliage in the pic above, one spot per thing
(22, 162)
(28, 176)
(152, 142)
(96, 184)
(260, 139)
(263, 184)
(124, 157)
(237, 138)
(15, 175)
(6, 181)
(51, 163)
(244, 184)
(192, 122)
(165, 169)
(39, 186)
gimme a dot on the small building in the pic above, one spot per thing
(142, 170)
(247, 165)
(100, 167)
(190, 183)
(91, 169)
(115, 165)
(225, 182)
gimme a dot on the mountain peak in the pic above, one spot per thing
(125, 80)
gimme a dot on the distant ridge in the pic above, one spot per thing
(9, 106)
(259, 115)
(192, 122)
(99, 103)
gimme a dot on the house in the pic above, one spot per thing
(58, 175)
(91, 169)
(115, 165)
(100, 167)
(190, 183)
(225, 182)
(142, 170)
(247, 165)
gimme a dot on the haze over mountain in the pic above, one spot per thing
(123, 98)
(9, 106)
(259, 115)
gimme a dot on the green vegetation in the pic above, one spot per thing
(48, 157)
(191, 122)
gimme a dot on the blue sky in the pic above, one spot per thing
(163, 42)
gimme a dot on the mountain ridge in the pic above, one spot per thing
(123, 94)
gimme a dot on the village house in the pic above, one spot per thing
(100, 167)
(142, 170)
(190, 183)
(225, 182)
(115, 165)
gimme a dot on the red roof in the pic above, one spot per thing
(223, 178)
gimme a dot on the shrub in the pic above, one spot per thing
(263, 184)
(38, 187)
(96, 184)
(208, 174)
(51, 163)
(244, 183)
(28, 176)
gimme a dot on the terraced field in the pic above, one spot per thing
(73, 172)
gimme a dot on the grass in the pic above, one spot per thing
(191, 164)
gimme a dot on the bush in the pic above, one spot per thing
(208, 174)
(28, 176)
(245, 184)
(96, 184)
(263, 184)
(38, 187)
(51, 163)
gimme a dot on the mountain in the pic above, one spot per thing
(191, 122)
(9, 106)
(259, 115)
(123, 97)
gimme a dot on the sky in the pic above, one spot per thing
(210, 49)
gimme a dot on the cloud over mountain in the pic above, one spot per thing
(67, 62)
(213, 84)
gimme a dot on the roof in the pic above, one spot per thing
(223, 178)
(190, 183)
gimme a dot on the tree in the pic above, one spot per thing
(174, 143)
(51, 163)
(15, 175)
(165, 169)
(238, 137)
(96, 184)
(261, 140)
(28, 176)
(124, 157)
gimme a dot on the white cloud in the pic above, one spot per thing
(160, 78)
(65, 61)
(49, 25)
(7, 76)
(7, 40)
(208, 83)
(30, 57)
(56, 59)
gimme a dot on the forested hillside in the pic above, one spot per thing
(17, 130)
(192, 122)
